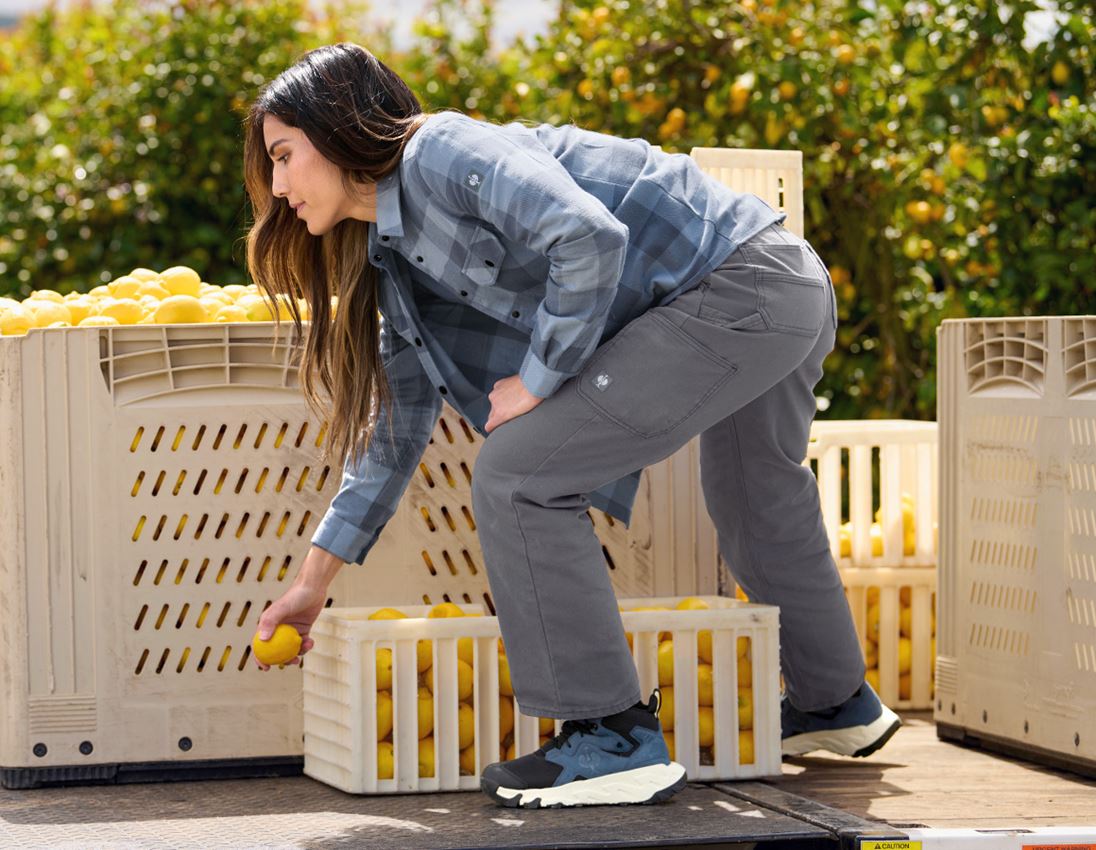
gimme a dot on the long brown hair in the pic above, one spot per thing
(359, 115)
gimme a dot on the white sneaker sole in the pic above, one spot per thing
(855, 741)
(651, 784)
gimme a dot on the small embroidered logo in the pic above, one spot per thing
(602, 381)
(474, 179)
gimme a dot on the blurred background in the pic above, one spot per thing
(949, 147)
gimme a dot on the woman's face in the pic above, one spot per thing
(303, 176)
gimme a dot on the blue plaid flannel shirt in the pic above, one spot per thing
(515, 250)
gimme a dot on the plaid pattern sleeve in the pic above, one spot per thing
(369, 494)
(528, 196)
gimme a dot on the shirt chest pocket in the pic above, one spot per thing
(484, 257)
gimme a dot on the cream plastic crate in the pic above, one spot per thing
(341, 746)
(1017, 655)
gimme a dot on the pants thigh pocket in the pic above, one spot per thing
(652, 376)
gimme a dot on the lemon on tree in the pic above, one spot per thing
(281, 648)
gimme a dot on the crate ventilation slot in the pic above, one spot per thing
(1013, 513)
(1079, 355)
(1007, 357)
(1082, 566)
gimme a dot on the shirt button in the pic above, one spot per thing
(384, 239)
(515, 314)
(377, 257)
(489, 263)
(462, 292)
(418, 341)
(419, 259)
(443, 390)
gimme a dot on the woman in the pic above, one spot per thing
(589, 304)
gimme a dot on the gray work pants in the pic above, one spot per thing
(735, 359)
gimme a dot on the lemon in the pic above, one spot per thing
(387, 614)
(464, 680)
(905, 621)
(745, 747)
(234, 290)
(509, 753)
(844, 538)
(872, 678)
(669, 737)
(745, 709)
(230, 313)
(48, 295)
(743, 646)
(97, 321)
(873, 595)
(905, 655)
(705, 726)
(153, 288)
(6, 303)
(181, 280)
(468, 761)
(466, 725)
(546, 725)
(904, 686)
(45, 312)
(100, 291)
(692, 603)
(426, 712)
(666, 663)
(424, 651)
(506, 687)
(426, 756)
(212, 306)
(876, 535)
(705, 695)
(384, 669)
(465, 651)
(60, 325)
(145, 274)
(506, 717)
(80, 308)
(180, 309)
(386, 760)
(745, 673)
(666, 710)
(445, 609)
(872, 625)
(871, 657)
(281, 648)
(125, 286)
(384, 714)
(125, 310)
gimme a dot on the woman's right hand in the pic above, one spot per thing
(298, 607)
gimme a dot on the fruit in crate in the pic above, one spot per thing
(176, 295)
(904, 659)
(280, 648)
(875, 532)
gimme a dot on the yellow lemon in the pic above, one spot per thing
(666, 710)
(234, 290)
(424, 655)
(506, 688)
(426, 756)
(669, 736)
(904, 686)
(743, 646)
(745, 673)
(666, 663)
(180, 309)
(281, 648)
(426, 712)
(384, 714)
(125, 310)
(546, 726)
(872, 678)
(905, 655)
(47, 295)
(256, 308)
(97, 321)
(145, 274)
(100, 290)
(60, 325)
(445, 609)
(692, 603)
(386, 760)
(739, 593)
(872, 625)
(464, 680)
(468, 761)
(876, 535)
(466, 725)
(705, 695)
(44, 312)
(705, 726)
(384, 669)
(465, 650)
(387, 614)
(704, 645)
(745, 747)
(181, 280)
(509, 753)
(230, 313)
(844, 538)
(631, 641)
(905, 621)
(873, 595)
(506, 717)
(745, 709)
(125, 286)
(871, 656)
(80, 308)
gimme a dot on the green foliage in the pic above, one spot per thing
(949, 168)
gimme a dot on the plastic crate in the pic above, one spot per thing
(1017, 653)
(342, 698)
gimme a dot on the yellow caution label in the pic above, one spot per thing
(890, 844)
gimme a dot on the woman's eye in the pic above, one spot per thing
(283, 158)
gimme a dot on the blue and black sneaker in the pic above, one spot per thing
(857, 727)
(612, 760)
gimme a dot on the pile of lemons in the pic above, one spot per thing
(909, 531)
(466, 719)
(705, 687)
(176, 295)
(905, 642)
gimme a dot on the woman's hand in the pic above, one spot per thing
(298, 607)
(509, 399)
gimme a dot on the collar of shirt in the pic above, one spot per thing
(389, 223)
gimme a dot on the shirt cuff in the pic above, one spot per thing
(538, 378)
(343, 539)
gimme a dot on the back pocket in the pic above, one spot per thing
(652, 376)
(791, 288)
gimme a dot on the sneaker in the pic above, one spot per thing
(858, 727)
(608, 761)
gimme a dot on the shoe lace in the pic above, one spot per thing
(567, 730)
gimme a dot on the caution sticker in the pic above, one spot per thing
(890, 844)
